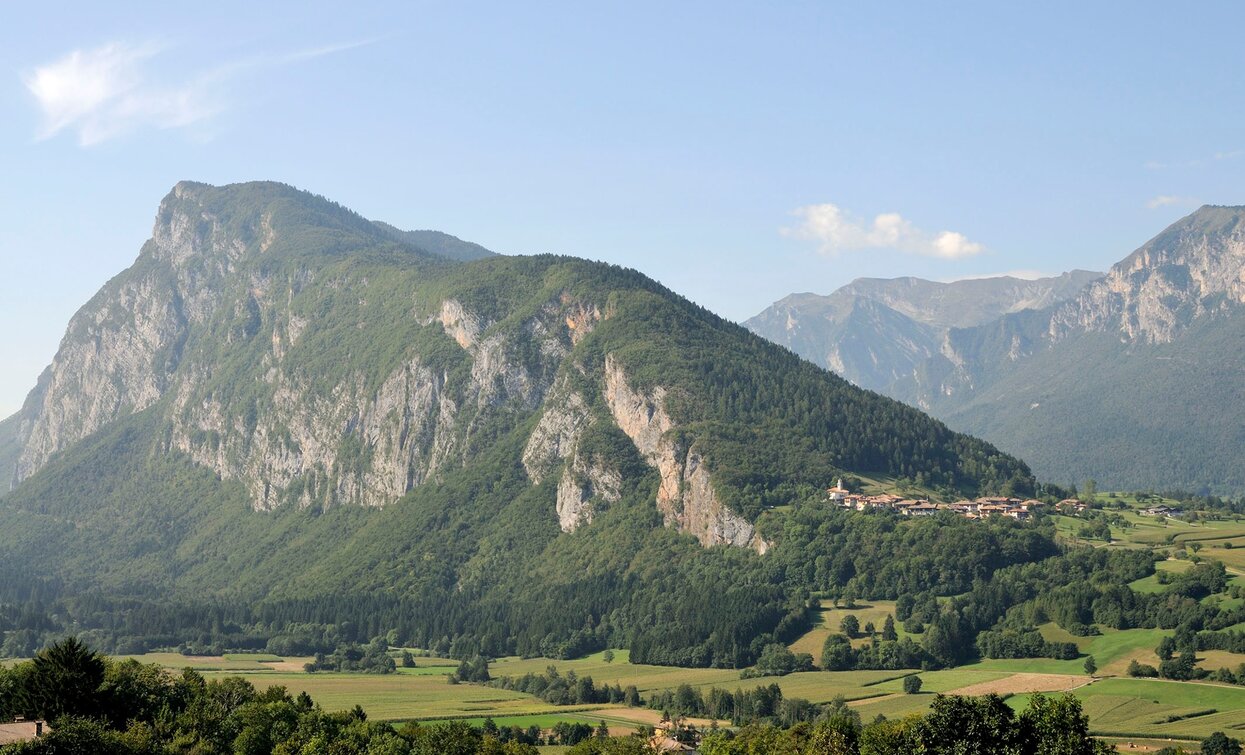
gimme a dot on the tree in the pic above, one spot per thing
(1220, 744)
(850, 625)
(64, 679)
(1057, 726)
(888, 629)
(838, 735)
(608, 656)
(837, 654)
(1167, 646)
(890, 737)
(911, 684)
(968, 726)
(1091, 666)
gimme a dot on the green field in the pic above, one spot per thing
(1119, 705)
(827, 620)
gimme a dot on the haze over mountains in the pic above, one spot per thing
(281, 398)
(1133, 379)
(876, 331)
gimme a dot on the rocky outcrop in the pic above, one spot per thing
(580, 317)
(581, 491)
(1194, 269)
(585, 485)
(557, 434)
(351, 444)
(685, 497)
(462, 326)
(349, 447)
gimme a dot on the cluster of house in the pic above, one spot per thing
(980, 508)
(1162, 510)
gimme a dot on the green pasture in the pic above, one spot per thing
(230, 662)
(827, 619)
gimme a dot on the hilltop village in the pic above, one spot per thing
(980, 508)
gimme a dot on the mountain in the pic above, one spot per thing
(876, 332)
(1135, 381)
(443, 244)
(281, 400)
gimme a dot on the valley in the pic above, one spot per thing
(289, 436)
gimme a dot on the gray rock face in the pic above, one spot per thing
(122, 349)
(1194, 269)
(552, 451)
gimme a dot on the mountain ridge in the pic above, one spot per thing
(877, 332)
(1160, 328)
(221, 292)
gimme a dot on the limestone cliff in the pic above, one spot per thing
(686, 496)
(1194, 269)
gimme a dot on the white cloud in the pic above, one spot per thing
(106, 92)
(836, 231)
(116, 89)
(1232, 154)
(1168, 200)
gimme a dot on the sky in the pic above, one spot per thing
(737, 152)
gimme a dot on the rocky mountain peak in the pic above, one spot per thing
(1193, 269)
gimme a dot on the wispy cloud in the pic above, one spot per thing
(117, 89)
(836, 230)
(1168, 200)
(1232, 154)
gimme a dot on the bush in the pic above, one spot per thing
(1142, 670)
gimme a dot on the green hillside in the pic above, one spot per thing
(1142, 416)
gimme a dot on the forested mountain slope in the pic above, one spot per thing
(282, 399)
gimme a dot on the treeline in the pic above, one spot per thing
(954, 726)
(568, 689)
(997, 617)
(704, 608)
(372, 658)
(761, 704)
(1023, 643)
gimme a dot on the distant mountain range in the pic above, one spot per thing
(876, 332)
(1134, 378)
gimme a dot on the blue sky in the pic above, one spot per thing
(736, 152)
